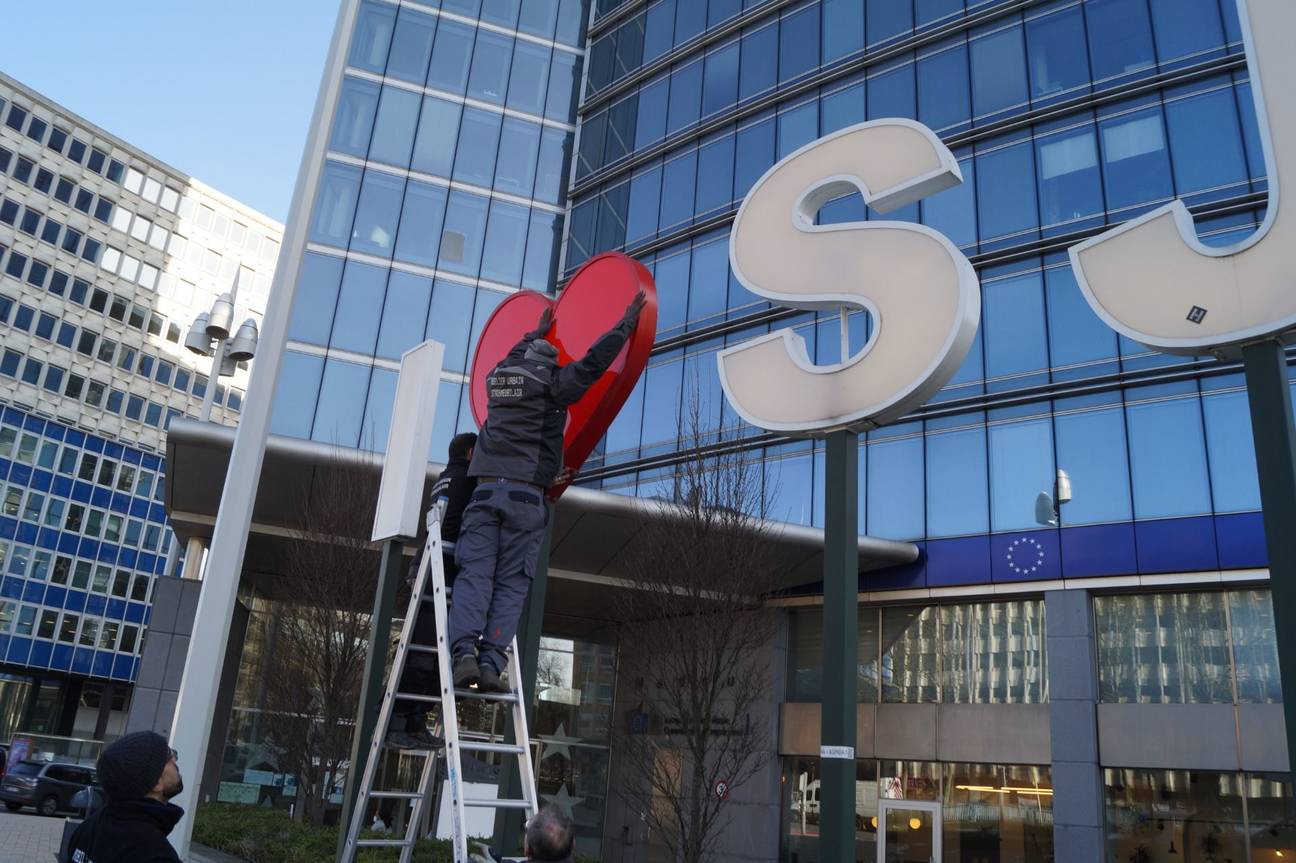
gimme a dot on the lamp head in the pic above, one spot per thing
(221, 317)
(244, 344)
(197, 339)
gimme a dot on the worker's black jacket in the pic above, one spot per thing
(456, 486)
(526, 408)
(130, 831)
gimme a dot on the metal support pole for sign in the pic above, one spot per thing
(1274, 432)
(371, 682)
(508, 822)
(841, 648)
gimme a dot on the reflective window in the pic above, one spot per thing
(1205, 141)
(403, 315)
(650, 125)
(411, 46)
(1168, 459)
(1006, 191)
(843, 28)
(662, 390)
(797, 127)
(685, 97)
(315, 299)
(1091, 449)
(891, 94)
(1184, 27)
(543, 235)
(756, 73)
(393, 131)
(842, 108)
(450, 56)
(679, 183)
(1075, 333)
(1120, 37)
(1069, 182)
(1015, 335)
(537, 17)
(452, 305)
(550, 177)
(1136, 166)
(505, 243)
(993, 653)
(344, 387)
(529, 79)
(805, 641)
(1021, 467)
(943, 95)
(998, 71)
(355, 326)
(953, 211)
(420, 223)
(1166, 648)
(335, 205)
(754, 154)
(1255, 646)
(354, 119)
(895, 488)
(378, 410)
(560, 104)
(957, 460)
(1234, 484)
(720, 79)
(372, 36)
(516, 167)
(1056, 51)
(910, 659)
(490, 67)
(645, 197)
(798, 43)
(478, 140)
(438, 129)
(295, 394)
(377, 213)
(464, 231)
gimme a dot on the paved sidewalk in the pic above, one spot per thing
(29, 838)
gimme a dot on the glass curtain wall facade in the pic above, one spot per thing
(442, 192)
(1066, 117)
(106, 256)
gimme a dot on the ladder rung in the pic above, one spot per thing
(482, 746)
(490, 803)
(508, 697)
(421, 648)
(427, 699)
(383, 843)
(395, 795)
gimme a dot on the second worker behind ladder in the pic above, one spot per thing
(408, 726)
(517, 458)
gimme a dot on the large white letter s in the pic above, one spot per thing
(920, 289)
(1154, 281)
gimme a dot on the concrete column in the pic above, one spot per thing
(1073, 727)
(194, 549)
(105, 710)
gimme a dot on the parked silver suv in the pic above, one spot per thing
(49, 786)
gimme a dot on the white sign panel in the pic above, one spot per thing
(846, 753)
(408, 442)
(921, 291)
(1154, 281)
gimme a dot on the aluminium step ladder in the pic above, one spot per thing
(454, 746)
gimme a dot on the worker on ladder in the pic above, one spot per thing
(517, 458)
(408, 727)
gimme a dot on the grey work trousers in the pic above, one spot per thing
(499, 541)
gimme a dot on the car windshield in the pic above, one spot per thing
(25, 768)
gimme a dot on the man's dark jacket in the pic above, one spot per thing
(526, 408)
(456, 487)
(130, 831)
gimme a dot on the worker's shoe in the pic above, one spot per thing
(421, 739)
(490, 680)
(466, 672)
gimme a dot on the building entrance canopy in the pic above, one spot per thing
(594, 531)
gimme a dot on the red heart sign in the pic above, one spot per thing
(592, 303)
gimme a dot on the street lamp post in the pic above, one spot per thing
(209, 336)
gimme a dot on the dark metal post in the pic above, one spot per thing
(508, 822)
(1274, 433)
(841, 648)
(372, 683)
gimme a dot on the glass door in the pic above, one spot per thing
(910, 831)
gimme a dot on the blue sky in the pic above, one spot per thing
(222, 91)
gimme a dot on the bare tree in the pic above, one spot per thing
(325, 596)
(695, 631)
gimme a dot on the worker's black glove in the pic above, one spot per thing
(632, 311)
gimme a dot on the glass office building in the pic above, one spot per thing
(106, 256)
(1093, 689)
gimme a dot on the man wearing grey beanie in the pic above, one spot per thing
(138, 774)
